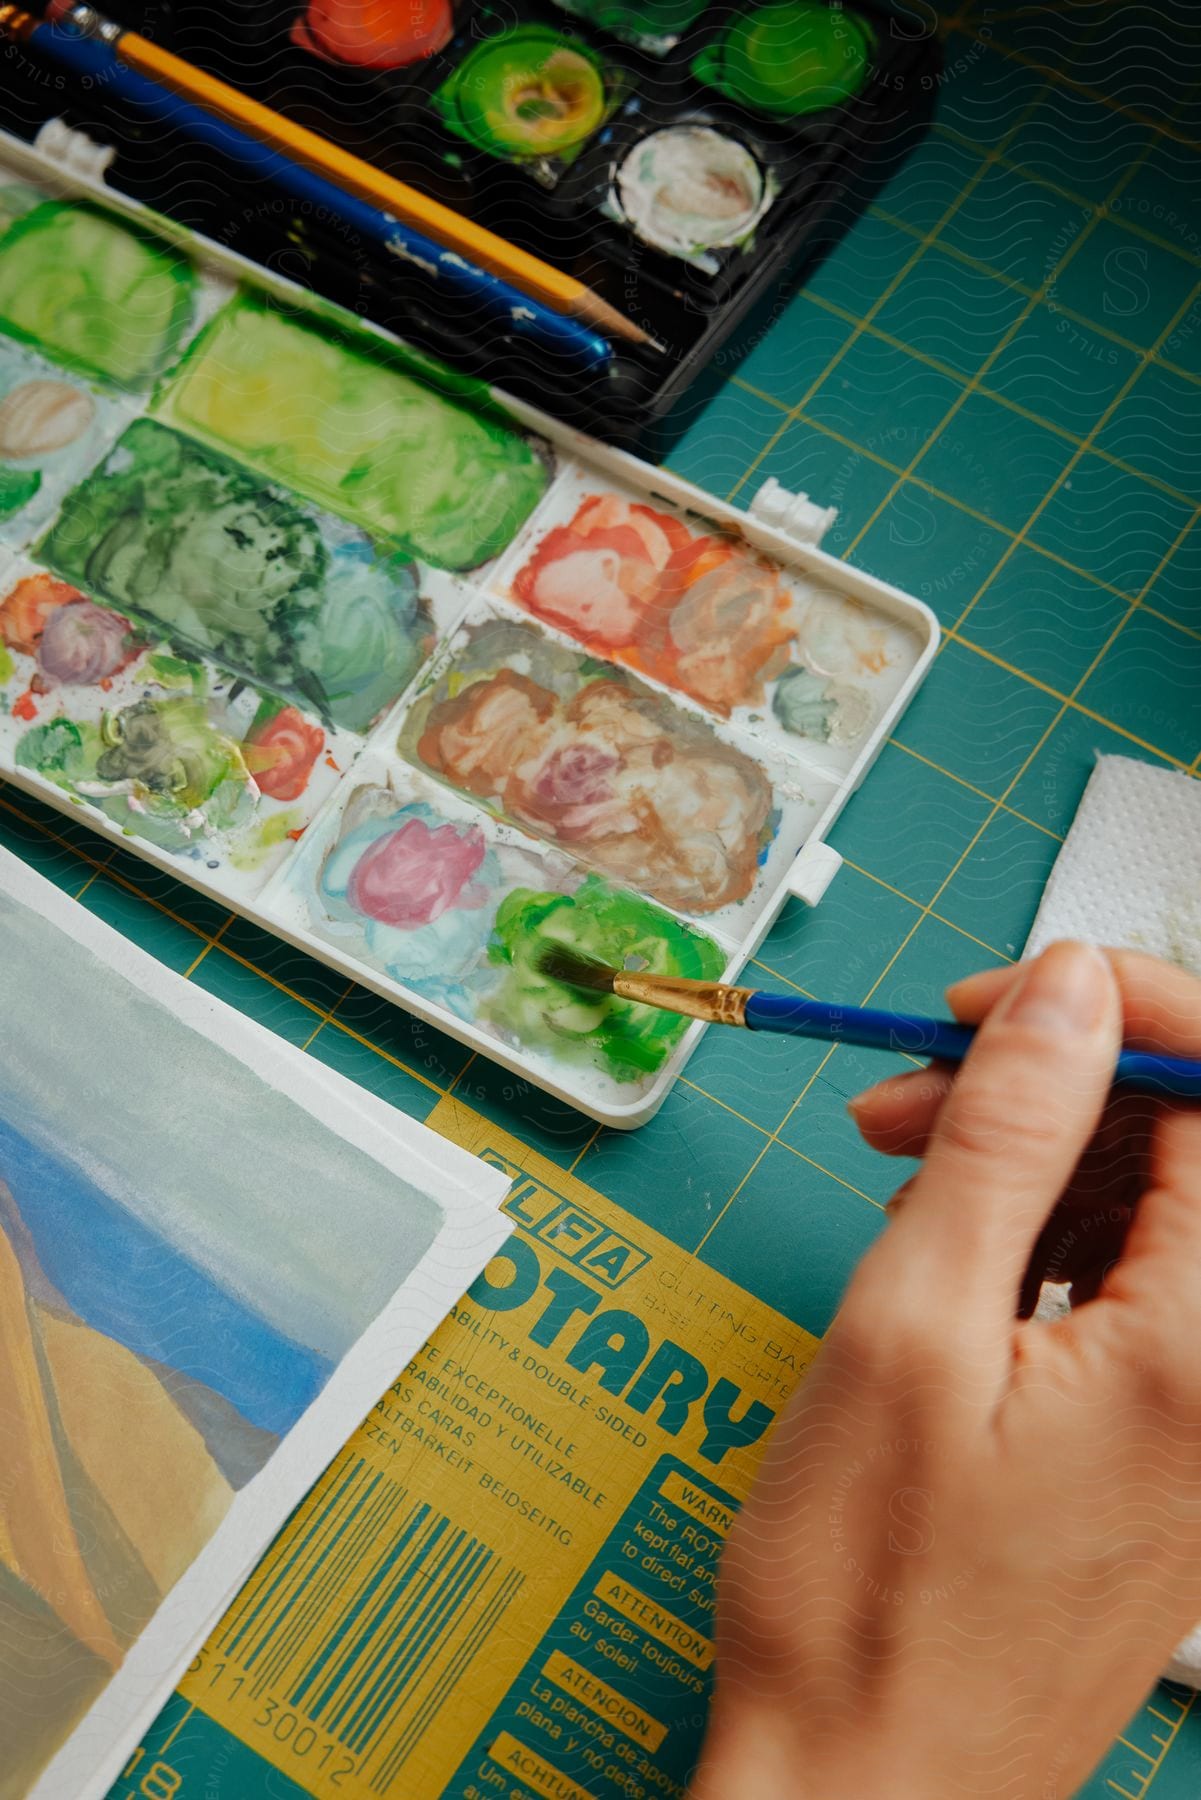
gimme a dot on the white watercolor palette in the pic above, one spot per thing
(628, 730)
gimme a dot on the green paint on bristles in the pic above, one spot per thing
(600, 925)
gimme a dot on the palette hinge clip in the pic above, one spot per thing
(73, 150)
(794, 514)
(813, 869)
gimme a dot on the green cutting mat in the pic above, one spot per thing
(996, 379)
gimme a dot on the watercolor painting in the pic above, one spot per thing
(456, 908)
(177, 1294)
(395, 445)
(53, 427)
(232, 567)
(168, 748)
(580, 754)
(527, 93)
(702, 613)
(94, 293)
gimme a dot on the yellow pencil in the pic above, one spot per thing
(529, 273)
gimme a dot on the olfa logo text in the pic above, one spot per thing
(578, 1235)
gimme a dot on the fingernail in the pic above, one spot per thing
(1065, 989)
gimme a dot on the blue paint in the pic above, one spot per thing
(124, 1279)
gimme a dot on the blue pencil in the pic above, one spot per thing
(943, 1040)
(93, 60)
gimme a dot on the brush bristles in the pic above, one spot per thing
(561, 964)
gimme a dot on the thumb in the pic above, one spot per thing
(1026, 1102)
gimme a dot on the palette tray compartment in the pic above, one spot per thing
(481, 900)
(489, 765)
(197, 770)
(597, 764)
(688, 606)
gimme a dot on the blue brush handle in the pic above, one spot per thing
(96, 62)
(1172, 1077)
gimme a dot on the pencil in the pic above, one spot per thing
(540, 280)
(93, 59)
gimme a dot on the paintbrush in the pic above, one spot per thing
(405, 205)
(873, 1028)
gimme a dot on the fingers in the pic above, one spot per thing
(1161, 1004)
(1010, 1132)
(896, 1116)
(1160, 1268)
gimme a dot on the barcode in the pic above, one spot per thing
(366, 1613)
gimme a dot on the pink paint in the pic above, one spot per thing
(82, 644)
(415, 874)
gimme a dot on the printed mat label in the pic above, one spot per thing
(504, 1585)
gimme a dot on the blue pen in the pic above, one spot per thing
(96, 62)
(943, 1040)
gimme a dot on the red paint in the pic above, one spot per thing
(280, 754)
(24, 611)
(374, 34)
(26, 706)
(697, 611)
(414, 874)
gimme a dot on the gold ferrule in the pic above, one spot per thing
(713, 1001)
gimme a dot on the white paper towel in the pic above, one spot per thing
(1129, 875)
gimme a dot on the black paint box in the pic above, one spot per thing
(685, 161)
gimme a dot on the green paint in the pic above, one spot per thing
(232, 567)
(612, 927)
(347, 425)
(158, 768)
(16, 199)
(173, 672)
(17, 488)
(652, 24)
(789, 58)
(7, 664)
(524, 93)
(267, 836)
(94, 293)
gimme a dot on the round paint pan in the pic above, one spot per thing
(789, 58)
(688, 189)
(655, 26)
(526, 93)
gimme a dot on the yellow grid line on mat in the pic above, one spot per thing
(890, 287)
(929, 910)
(973, 383)
(1185, 1708)
(1058, 77)
(1134, 226)
(1085, 320)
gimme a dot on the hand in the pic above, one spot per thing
(974, 1539)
